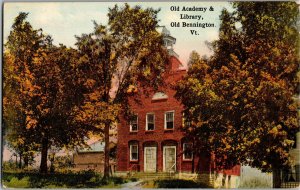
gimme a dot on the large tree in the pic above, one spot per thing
(16, 136)
(23, 42)
(241, 102)
(115, 58)
(47, 90)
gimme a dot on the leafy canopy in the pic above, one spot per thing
(241, 102)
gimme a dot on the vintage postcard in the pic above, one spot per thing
(150, 95)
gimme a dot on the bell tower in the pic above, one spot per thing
(169, 41)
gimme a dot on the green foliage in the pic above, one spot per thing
(83, 179)
(179, 183)
(20, 49)
(18, 183)
(241, 102)
(113, 61)
(54, 96)
(63, 163)
(133, 179)
(193, 59)
(9, 166)
(42, 95)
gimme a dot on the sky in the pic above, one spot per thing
(64, 20)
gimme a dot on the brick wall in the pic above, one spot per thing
(159, 136)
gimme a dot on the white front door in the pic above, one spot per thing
(169, 158)
(150, 159)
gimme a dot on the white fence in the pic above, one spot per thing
(254, 178)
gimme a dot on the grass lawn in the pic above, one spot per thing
(174, 183)
(84, 179)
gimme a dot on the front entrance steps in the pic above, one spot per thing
(152, 175)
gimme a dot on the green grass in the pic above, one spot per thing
(84, 179)
(17, 183)
(179, 183)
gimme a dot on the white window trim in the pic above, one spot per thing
(131, 152)
(137, 123)
(165, 123)
(183, 148)
(151, 113)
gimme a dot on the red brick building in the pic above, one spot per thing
(153, 140)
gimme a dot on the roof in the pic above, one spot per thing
(97, 146)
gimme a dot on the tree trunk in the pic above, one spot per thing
(193, 164)
(43, 166)
(16, 160)
(26, 158)
(276, 177)
(26, 161)
(20, 161)
(106, 151)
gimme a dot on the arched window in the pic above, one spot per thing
(159, 96)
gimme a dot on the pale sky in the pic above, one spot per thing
(64, 20)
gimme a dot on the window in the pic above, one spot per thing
(169, 120)
(134, 152)
(134, 123)
(150, 121)
(187, 151)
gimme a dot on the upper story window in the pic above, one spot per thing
(134, 123)
(134, 152)
(169, 120)
(187, 151)
(150, 120)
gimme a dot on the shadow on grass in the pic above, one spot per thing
(179, 183)
(83, 179)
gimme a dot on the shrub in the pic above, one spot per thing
(82, 179)
(9, 166)
(117, 180)
(133, 179)
(179, 183)
(17, 183)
